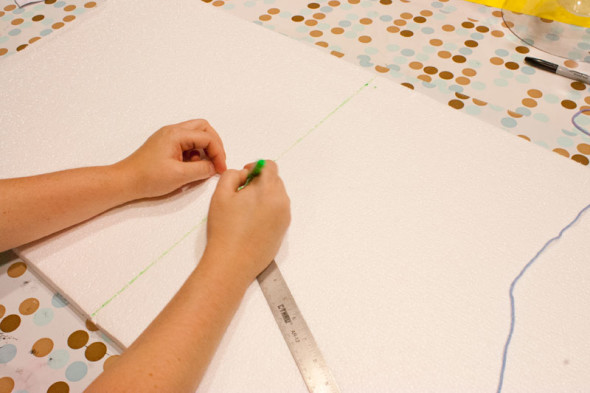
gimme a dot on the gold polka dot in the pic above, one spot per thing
(265, 17)
(42, 347)
(578, 85)
(354, 1)
(57, 25)
(570, 63)
(311, 22)
(526, 138)
(406, 15)
(110, 362)
(430, 70)
(469, 72)
(435, 42)
(463, 80)
(38, 18)
(50, 1)
(95, 351)
(21, 47)
(28, 306)
(78, 339)
(218, 3)
(529, 102)
(482, 29)
(467, 25)
(448, 28)
(497, 13)
(514, 114)
(419, 19)
(316, 33)
(313, 6)
(562, 152)
(9, 7)
(2, 13)
(511, 65)
(2, 310)
(446, 75)
(366, 21)
(91, 326)
(337, 30)
(381, 69)
(584, 148)
(471, 43)
(444, 54)
(415, 65)
(17, 269)
(406, 33)
(386, 2)
(90, 4)
(336, 53)
(568, 104)
(425, 78)
(392, 29)
(496, 61)
(69, 18)
(508, 24)
(59, 387)
(535, 93)
(319, 15)
(69, 8)
(10, 323)
(459, 59)
(399, 22)
(323, 44)
(273, 11)
(365, 39)
(426, 13)
(17, 21)
(522, 49)
(6, 385)
(297, 18)
(580, 158)
(34, 39)
(457, 104)
(408, 85)
(498, 33)
(333, 3)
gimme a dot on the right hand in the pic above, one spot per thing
(245, 228)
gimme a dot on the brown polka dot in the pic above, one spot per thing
(497, 13)
(336, 53)
(3, 51)
(399, 22)
(467, 25)
(406, 33)
(584, 148)
(562, 152)
(496, 61)
(522, 49)
(42, 347)
(206, 1)
(526, 138)
(511, 65)
(498, 33)
(333, 3)
(535, 93)
(91, 326)
(110, 362)
(529, 102)
(381, 69)
(366, 21)
(546, 20)
(408, 85)
(444, 54)
(316, 33)
(10, 323)
(17, 21)
(459, 59)
(273, 11)
(69, 18)
(21, 47)
(419, 19)
(265, 17)
(471, 43)
(469, 72)
(482, 29)
(57, 25)
(337, 30)
(59, 387)
(78, 339)
(580, 158)
(406, 15)
(38, 18)
(319, 15)
(392, 29)
(430, 70)
(435, 42)
(386, 2)
(365, 39)
(448, 28)
(218, 3)
(461, 96)
(323, 44)
(17, 269)
(508, 24)
(6, 385)
(473, 20)
(28, 306)
(425, 78)
(313, 6)
(297, 18)
(9, 7)
(50, 1)
(69, 8)
(2, 13)
(578, 86)
(446, 75)
(463, 80)
(415, 65)
(570, 63)
(2, 310)
(311, 22)
(34, 39)
(568, 104)
(456, 104)
(90, 4)
(354, 1)
(95, 351)
(514, 114)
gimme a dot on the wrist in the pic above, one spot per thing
(226, 266)
(127, 180)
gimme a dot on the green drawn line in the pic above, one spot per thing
(205, 219)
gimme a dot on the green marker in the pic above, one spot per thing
(253, 173)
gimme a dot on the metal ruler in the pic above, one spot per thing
(312, 366)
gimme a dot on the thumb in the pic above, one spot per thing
(232, 179)
(198, 170)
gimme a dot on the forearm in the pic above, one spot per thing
(36, 206)
(174, 351)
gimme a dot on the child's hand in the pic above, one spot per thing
(245, 228)
(170, 159)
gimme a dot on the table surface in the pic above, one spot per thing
(457, 52)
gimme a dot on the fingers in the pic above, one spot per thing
(191, 139)
(232, 179)
(198, 170)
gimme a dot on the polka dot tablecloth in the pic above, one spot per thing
(457, 52)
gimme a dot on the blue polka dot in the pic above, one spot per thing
(393, 67)
(350, 34)
(522, 79)
(449, 9)
(76, 371)
(385, 18)
(584, 45)
(259, 23)
(400, 60)
(436, 4)
(428, 49)
(508, 122)
(408, 52)
(465, 51)
(371, 51)
(79, 11)
(366, 4)
(461, 31)
(344, 23)
(552, 37)
(323, 26)
(541, 117)
(345, 6)
(301, 29)
(570, 133)
(477, 36)
(428, 85)
(497, 108)
(372, 14)
(474, 63)
(528, 70)
(7, 353)
(3, 39)
(500, 82)
(542, 144)
(473, 110)
(440, 16)
(450, 46)
(564, 141)
(283, 14)
(364, 60)
(506, 74)
(45, 32)
(230, 6)
(58, 358)
(392, 47)
(422, 57)
(58, 301)
(501, 52)
(250, 4)
(587, 59)
(14, 32)
(478, 85)
(326, 9)
(523, 111)
(427, 30)
(18, 11)
(358, 28)
(59, 4)
(551, 98)
(456, 88)
(43, 316)
(352, 17)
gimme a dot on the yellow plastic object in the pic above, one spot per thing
(546, 9)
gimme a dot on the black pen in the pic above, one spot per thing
(557, 69)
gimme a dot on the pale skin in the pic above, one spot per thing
(244, 232)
